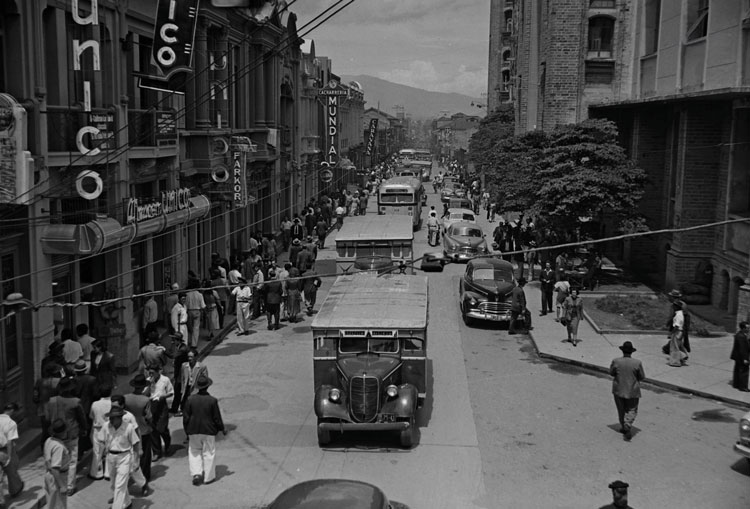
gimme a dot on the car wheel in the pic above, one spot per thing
(324, 435)
(467, 319)
(409, 436)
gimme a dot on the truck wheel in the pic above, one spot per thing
(409, 436)
(324, 436)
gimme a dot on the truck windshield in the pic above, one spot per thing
(361, 345)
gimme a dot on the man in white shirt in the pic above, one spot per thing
(121, 439)
(179, 316)
(72, 350)
(98, 417)
(172, 299)
(8, 454)
(82, 331)
(149, 318)
(195, 305)
(160, 391)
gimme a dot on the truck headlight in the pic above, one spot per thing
(745, 428)
(334, 395)
(391, 391)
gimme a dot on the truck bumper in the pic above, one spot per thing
(364, 426)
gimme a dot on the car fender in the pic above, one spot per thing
(468, 294)
(327, 409)
(403, 405)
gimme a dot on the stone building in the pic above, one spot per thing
(120, 171)
(502, 54)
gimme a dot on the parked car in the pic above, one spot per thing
(459, 203)
(742, 446)
(484, 290)
(446, 193)
(334, 494)
(463, 241)
(458, 215)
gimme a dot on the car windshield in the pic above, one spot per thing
(466, 232)
(396, 198)
(462, 217)
(361, 345)
(490, 274)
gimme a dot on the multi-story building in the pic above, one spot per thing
(451, 135)
(386, 137)
(112, 185)
(570, 54)
(501, 68)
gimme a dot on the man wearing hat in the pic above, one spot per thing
(121, 440)
(243, 296)
(160, 391)
(304, 259)
(297, 231)
(139, 405)
(294, 250)
(202, 422)
(619, 496)
(272, 291)
(675, 298)
(626, 387)
(87, 392)
(67, 406)
(258, 280)
(517, 305)
(57, 463)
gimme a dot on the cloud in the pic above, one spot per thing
(423, 74)
(368, 12)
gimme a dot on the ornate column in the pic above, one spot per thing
(272, 90)
(202, 98)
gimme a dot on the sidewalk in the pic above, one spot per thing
(708, 373)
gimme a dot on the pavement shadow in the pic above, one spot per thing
(742, 466)
(26, 496)
(235, 349)
(222, 471)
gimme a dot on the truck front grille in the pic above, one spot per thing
(363, 397)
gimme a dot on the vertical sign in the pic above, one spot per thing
(330, 95)
(373, 130)
(172, 52)
(239, 182)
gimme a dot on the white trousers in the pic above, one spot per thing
(99, 466)
(201, 455)
(120, 470)
(72, 446)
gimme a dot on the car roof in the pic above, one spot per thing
(466, 224)
(459, 210)
(494, 263)
(331, 494)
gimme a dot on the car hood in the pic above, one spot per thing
(466, 241)
(498, 288)
(368, 364)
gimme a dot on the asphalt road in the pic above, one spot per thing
(500, 428)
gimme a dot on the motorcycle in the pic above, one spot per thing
(432, 235)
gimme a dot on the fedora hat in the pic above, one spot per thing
(627, 347)
(675, 294)
(139, 380)
(296, 242)
(58, 427)
(116, 411)
(80, 366)
(203, 381)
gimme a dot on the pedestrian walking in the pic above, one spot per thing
(103, 364)
(626, 387)
(9, 453)
(138, 404)
(243, 296)
(98, 415)
(282, 275)
(741, 357)
(272, 293)
(122, 442)
(573, 307)
(44, 388)
(547, 278)
(72, 350)
(257, 282)
(675, 297)
(294, 251)
(149, 318)
(179, 358)
(202, 422)
(85, 340)
(619, 496)
(304, 259)
(195, 305)
(191, 370)
(211, 298)
(297, 230)
(151, 353)
(136, 473)
(292, 287)
(160, 390)
(340, 216)
(310, 288)
(219, 285)
(57, 465)
(180, 315)
(517, 306)
(677, 354)
(169, 303)
(286, 232)
(87, 391)
(562, 288)
(67, 406)
(233, 279)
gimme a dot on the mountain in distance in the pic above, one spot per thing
(417, 103)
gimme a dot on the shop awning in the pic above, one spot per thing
(104, 232)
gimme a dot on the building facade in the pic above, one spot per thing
(114, 185)
(501, 67)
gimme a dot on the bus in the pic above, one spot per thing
(370, 356)
(371, 238)
(419, 160)
(403, 196)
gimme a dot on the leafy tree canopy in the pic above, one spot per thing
(573, 173)
(495, 127)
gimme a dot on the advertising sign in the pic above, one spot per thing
(171, 201)
(372, 131)
(331, 95)
(172, 52)
(239, 179)
(16, 174)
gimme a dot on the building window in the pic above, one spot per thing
(651, 22)
(508, 21)
(602, 4)
(601, 29)
(599, 72)
(739, 189)
(697, 19)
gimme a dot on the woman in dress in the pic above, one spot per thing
(677, 354)
(243, 295)
(573, 306)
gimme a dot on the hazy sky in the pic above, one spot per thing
(438, 45)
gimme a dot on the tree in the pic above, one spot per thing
(493, 128)
(575, 173)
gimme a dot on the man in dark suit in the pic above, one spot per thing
(547, 277)
(103, 364)
(517, 305)
(272, 291)
(139, 405)
(202, 422)
(626, 387)
(741, 357)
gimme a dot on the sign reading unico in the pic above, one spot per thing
(171, 201)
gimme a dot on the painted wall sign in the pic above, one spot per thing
(172, 52)
(171, 201)
(239, 180)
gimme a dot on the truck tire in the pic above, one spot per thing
(408, 437)
(324, 435)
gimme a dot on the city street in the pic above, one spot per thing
(500, 428)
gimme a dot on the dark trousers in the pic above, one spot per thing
(145, 459)
(627, 410)
(177, 400)
(547, 299)
(273, 313)
(161, 441)
(222, 310)
(255, 304)
(741, 374)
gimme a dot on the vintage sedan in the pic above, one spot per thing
(334, 494)
(457, 216)
(485, 290)
(463, 241)
(742, 446)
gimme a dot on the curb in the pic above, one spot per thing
(650, 381)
